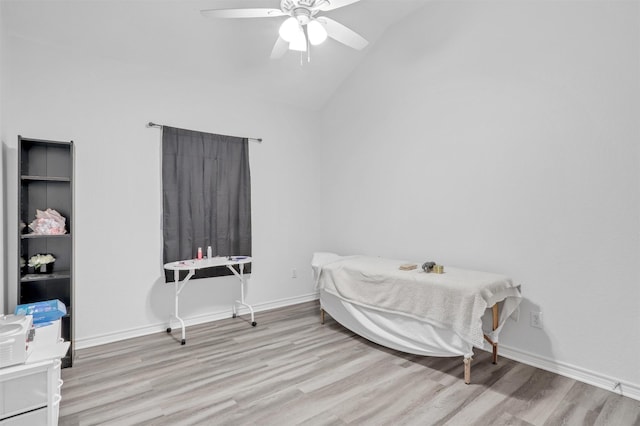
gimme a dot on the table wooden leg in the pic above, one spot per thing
(467, 370)
(496, 318)
(321, 316)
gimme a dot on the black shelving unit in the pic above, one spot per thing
(46, 182)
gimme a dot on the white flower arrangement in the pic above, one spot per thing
(38, 260)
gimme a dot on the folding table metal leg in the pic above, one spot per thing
(240, 276)
(178, 286)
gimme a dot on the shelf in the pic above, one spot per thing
(44, 142)
(45, 178)
(35, 236)
(28, 278)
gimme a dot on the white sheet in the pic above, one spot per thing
(455, 300)
(397, 332)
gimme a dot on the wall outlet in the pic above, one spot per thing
(294, 273)
(536, 319)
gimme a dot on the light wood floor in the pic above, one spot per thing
(290, 370)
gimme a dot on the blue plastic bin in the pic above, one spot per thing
(43, 312)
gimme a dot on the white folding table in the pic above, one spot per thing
(192, 265)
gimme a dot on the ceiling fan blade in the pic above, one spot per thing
(279, 48)
(241, 13)
(344, 35)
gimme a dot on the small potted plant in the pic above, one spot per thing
(42, 263)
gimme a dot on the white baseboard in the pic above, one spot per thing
(611, 384)
(199, 319)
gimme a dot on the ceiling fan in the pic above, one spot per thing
(303, 27)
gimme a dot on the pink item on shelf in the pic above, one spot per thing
(48, 222)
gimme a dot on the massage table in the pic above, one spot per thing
(414, 311)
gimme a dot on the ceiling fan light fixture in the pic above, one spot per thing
(317, 33)
(290, 29)
(302, 27)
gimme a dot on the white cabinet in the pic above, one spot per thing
(30, 392)
(33, 389)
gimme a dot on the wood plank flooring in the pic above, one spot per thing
(292, 370)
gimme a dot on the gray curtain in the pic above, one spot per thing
(206, 187)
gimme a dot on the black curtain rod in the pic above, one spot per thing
(152, 124)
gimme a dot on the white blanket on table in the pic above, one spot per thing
(454, 300)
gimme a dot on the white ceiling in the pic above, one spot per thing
(174, 37)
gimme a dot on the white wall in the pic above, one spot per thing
(503, 136)
(103, 106)
(3, 223)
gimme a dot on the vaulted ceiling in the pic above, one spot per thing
(174, 37)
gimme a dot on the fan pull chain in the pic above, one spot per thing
(302, 57)
(308, 52)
